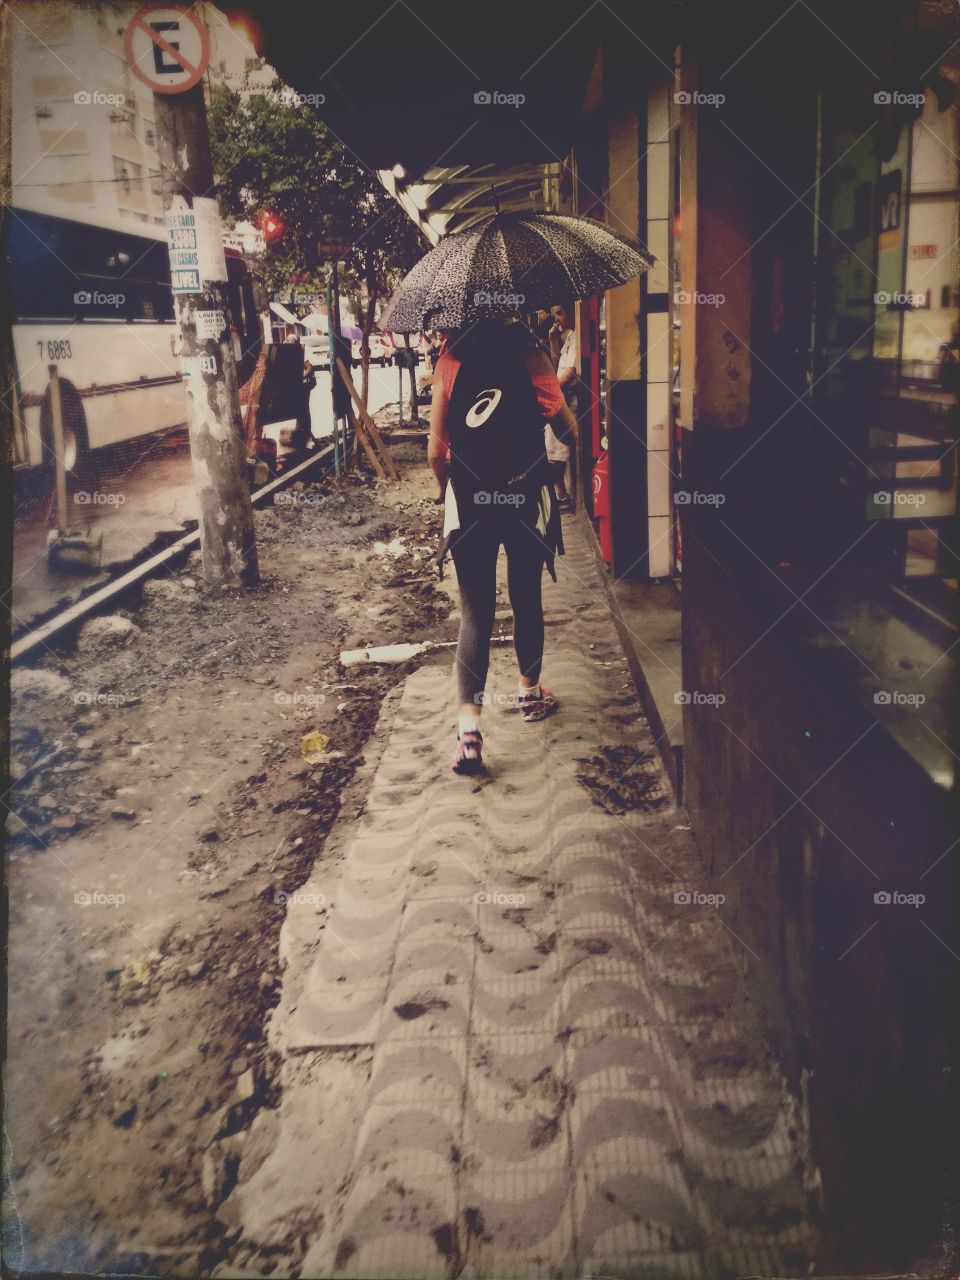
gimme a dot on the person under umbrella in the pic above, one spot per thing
(495, 388)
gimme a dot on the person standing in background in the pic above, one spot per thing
(563, 352)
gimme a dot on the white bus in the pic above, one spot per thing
(97, 304)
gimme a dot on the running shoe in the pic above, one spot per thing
(469, 759)
(537, 707)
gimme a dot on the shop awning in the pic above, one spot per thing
(286, 316)
(457, 107)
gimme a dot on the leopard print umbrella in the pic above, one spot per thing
(510, 263)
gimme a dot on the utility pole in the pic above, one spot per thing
(198, 271)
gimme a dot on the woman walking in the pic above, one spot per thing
(494, 389)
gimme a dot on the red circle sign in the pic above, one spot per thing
(167, 47)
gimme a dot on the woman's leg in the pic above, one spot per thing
(525, 556)
(475, 560)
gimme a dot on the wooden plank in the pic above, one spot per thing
(361, 436)
(56, 414)
(368, 422)
(253, 402)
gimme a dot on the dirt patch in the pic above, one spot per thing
(620, 780)
(164, 815)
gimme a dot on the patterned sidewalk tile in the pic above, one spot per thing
(553, 1071)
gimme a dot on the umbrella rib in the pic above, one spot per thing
(508, 272)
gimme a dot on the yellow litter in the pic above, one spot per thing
(313, 745)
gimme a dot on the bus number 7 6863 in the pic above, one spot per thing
(56, 350)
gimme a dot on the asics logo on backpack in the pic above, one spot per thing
(487, 401)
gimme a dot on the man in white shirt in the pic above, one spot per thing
(563, 350)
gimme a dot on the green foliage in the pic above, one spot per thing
(276, 155)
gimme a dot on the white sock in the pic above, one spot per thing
(466, 724)
(532, 692)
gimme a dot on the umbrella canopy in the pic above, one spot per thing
(510, 263)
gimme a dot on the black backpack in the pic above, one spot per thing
(495, 424)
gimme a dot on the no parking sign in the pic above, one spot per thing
(167, 47)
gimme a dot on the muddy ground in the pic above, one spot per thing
(164, 812)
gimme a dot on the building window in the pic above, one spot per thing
(127, 173)
(121, 171)
(888, 347)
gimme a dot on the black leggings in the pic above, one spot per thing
(475, 558)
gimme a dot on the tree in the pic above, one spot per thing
(272, 153)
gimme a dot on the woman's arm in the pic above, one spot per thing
(565, 425)
(438, 444)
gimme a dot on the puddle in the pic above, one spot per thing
(118, 1050)
(393, 548)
